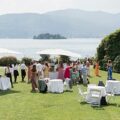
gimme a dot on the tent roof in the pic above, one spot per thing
(59, 52)
(7, 51)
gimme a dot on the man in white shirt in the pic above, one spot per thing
(23, 71)
(39, 67)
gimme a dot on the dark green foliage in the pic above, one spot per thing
(48, 36)
(8, 60)
(116, 65)
(45, 58)
(26, 60)
(109, 48)
(64, 59)
(103, 64)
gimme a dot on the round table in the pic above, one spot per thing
(112, 84)
(55, 86)
(103, 93)
(5, 83)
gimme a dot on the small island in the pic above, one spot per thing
(49, 36)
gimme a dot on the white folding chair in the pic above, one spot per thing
(82, 95)
(66, 84)
(111, 96)
(95, 96)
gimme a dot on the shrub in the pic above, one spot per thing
(8, 60)
(116, 64)
(26, 60)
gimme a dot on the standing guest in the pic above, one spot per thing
(84, 74)
(23, 71)
(109, 68)
(60, 71)
(67, 71)
(74, 64)
(52, 64)
(15, 72)
(8, 73)
(46, 70)
(29, 72)
(33, 78)
(65, 65)
(34, 63)
(67, 75)
(79, 68)
(88, 68)
(56, 67)
(39, 68)
(74, 75)
(97, 68)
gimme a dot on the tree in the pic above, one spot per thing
(109, 48)
(49, 36)
(64, 58)
(26, 60)
(45, 58)
(8, 60)
(116, 65)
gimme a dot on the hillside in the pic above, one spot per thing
(69, 23)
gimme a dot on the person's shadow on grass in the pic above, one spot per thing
(5, 92)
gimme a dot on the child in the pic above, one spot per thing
(74, 75)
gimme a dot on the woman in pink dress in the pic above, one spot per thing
(29, 72)
(61, 71)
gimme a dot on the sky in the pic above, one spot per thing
(42, 6)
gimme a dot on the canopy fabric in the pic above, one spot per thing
(59, 52)
(7, 51)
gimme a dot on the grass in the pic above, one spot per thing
(20, 104)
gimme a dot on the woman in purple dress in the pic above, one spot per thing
(60, 71)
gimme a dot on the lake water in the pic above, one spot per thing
(84, 46)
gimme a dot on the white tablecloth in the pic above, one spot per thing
(91, 87)
(5, 83)
(55, 86)
(111, 84)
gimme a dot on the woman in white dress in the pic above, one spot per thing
(8, 73)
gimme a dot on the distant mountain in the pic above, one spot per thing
(69, 23)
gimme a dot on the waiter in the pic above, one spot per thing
(23, 71)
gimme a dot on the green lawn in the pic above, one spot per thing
(21, 104)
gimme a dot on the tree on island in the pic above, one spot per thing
(49, 36)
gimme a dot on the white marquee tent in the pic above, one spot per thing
(59, 52)
(7, 51)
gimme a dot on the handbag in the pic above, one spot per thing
(100, 83)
